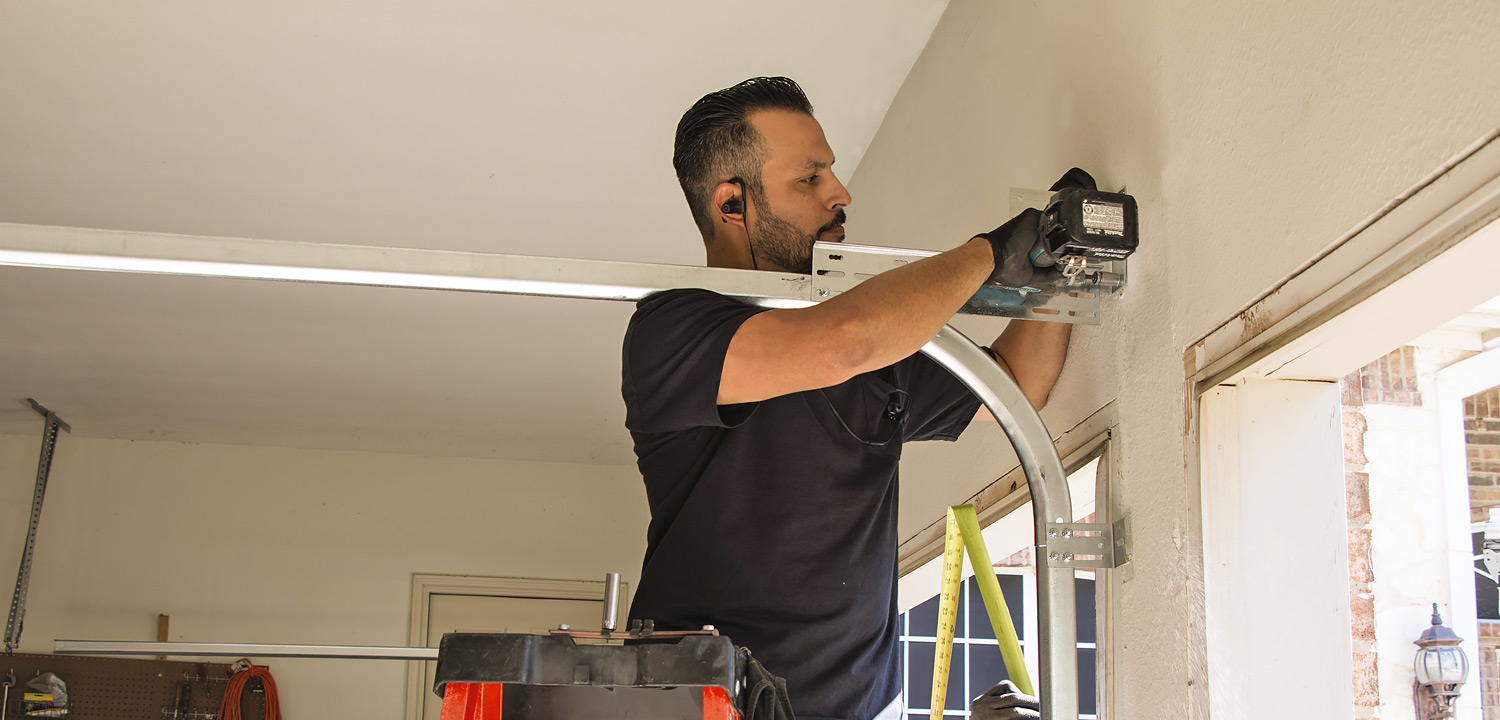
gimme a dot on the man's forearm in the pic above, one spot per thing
(1033, 352)
(895, 313)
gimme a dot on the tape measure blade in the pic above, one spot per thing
(953, 566)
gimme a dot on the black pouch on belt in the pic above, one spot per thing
(765, 694)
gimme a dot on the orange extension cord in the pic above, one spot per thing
(230, 708)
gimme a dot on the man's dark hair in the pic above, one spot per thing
(715, 141)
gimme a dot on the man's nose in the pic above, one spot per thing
(840, 196)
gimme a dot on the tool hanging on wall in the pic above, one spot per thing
(23, 577)
(245, 673)
(963, 531)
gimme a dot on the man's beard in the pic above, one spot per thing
(777, 241)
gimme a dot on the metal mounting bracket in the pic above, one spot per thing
(17, 616)
(838, 267)
(1086, 545)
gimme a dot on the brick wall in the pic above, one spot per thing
(1361, 568)
(1391, 380)
(1482, 432)
(1489, 668)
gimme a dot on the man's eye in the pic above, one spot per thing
(810, 180)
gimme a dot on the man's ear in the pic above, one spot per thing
(728, 203)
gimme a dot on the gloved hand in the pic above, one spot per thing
(1005, 702)
(1012, 244)
(1021, 258)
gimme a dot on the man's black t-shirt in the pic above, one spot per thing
(776, 521)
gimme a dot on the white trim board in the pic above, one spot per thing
(1394, 277)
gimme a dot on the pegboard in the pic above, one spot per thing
(111, 688)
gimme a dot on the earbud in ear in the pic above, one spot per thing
(735, 205)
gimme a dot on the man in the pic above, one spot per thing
(769, 439)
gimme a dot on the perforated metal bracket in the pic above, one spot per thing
(838, 267)
(16, 618)
(1086, 545)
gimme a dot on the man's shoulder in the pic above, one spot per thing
(679, 297)
(671, 311)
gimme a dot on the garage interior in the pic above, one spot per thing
(271, 462)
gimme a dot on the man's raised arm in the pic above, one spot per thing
(876, 323)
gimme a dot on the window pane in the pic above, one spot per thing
(956, 699)
(919, 682)
(1010, 589)
(924, 618)
(1084, 602)
(986, 667)
(1086, 674)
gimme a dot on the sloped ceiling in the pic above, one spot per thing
(540, 128)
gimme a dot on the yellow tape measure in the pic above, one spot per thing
(963, 531)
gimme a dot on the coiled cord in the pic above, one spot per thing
(229, 709)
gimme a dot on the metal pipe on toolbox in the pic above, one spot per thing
(611, 621)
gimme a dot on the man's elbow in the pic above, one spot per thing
(1038, 400)
(847, 351)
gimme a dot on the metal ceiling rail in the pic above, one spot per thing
(129, 252)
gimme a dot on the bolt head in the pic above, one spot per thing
(564, 626)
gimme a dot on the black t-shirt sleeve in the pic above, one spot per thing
(941, 406)
(673, 358)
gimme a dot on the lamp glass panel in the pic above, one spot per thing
(1425, 666)
(1455, 665)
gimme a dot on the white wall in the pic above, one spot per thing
(1253, 135)
(245, 544)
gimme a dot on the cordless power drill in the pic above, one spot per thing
(1079, 226)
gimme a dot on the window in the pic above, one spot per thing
(976, 664)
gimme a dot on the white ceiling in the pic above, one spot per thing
(540, 128)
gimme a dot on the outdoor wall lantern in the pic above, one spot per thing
(1441, 669)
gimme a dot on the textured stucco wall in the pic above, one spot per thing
(1253, 135)
(274, 545)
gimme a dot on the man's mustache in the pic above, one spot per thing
(838, 219)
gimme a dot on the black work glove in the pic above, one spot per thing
(1005, 702)
(1013, 243)
(1021, 258)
